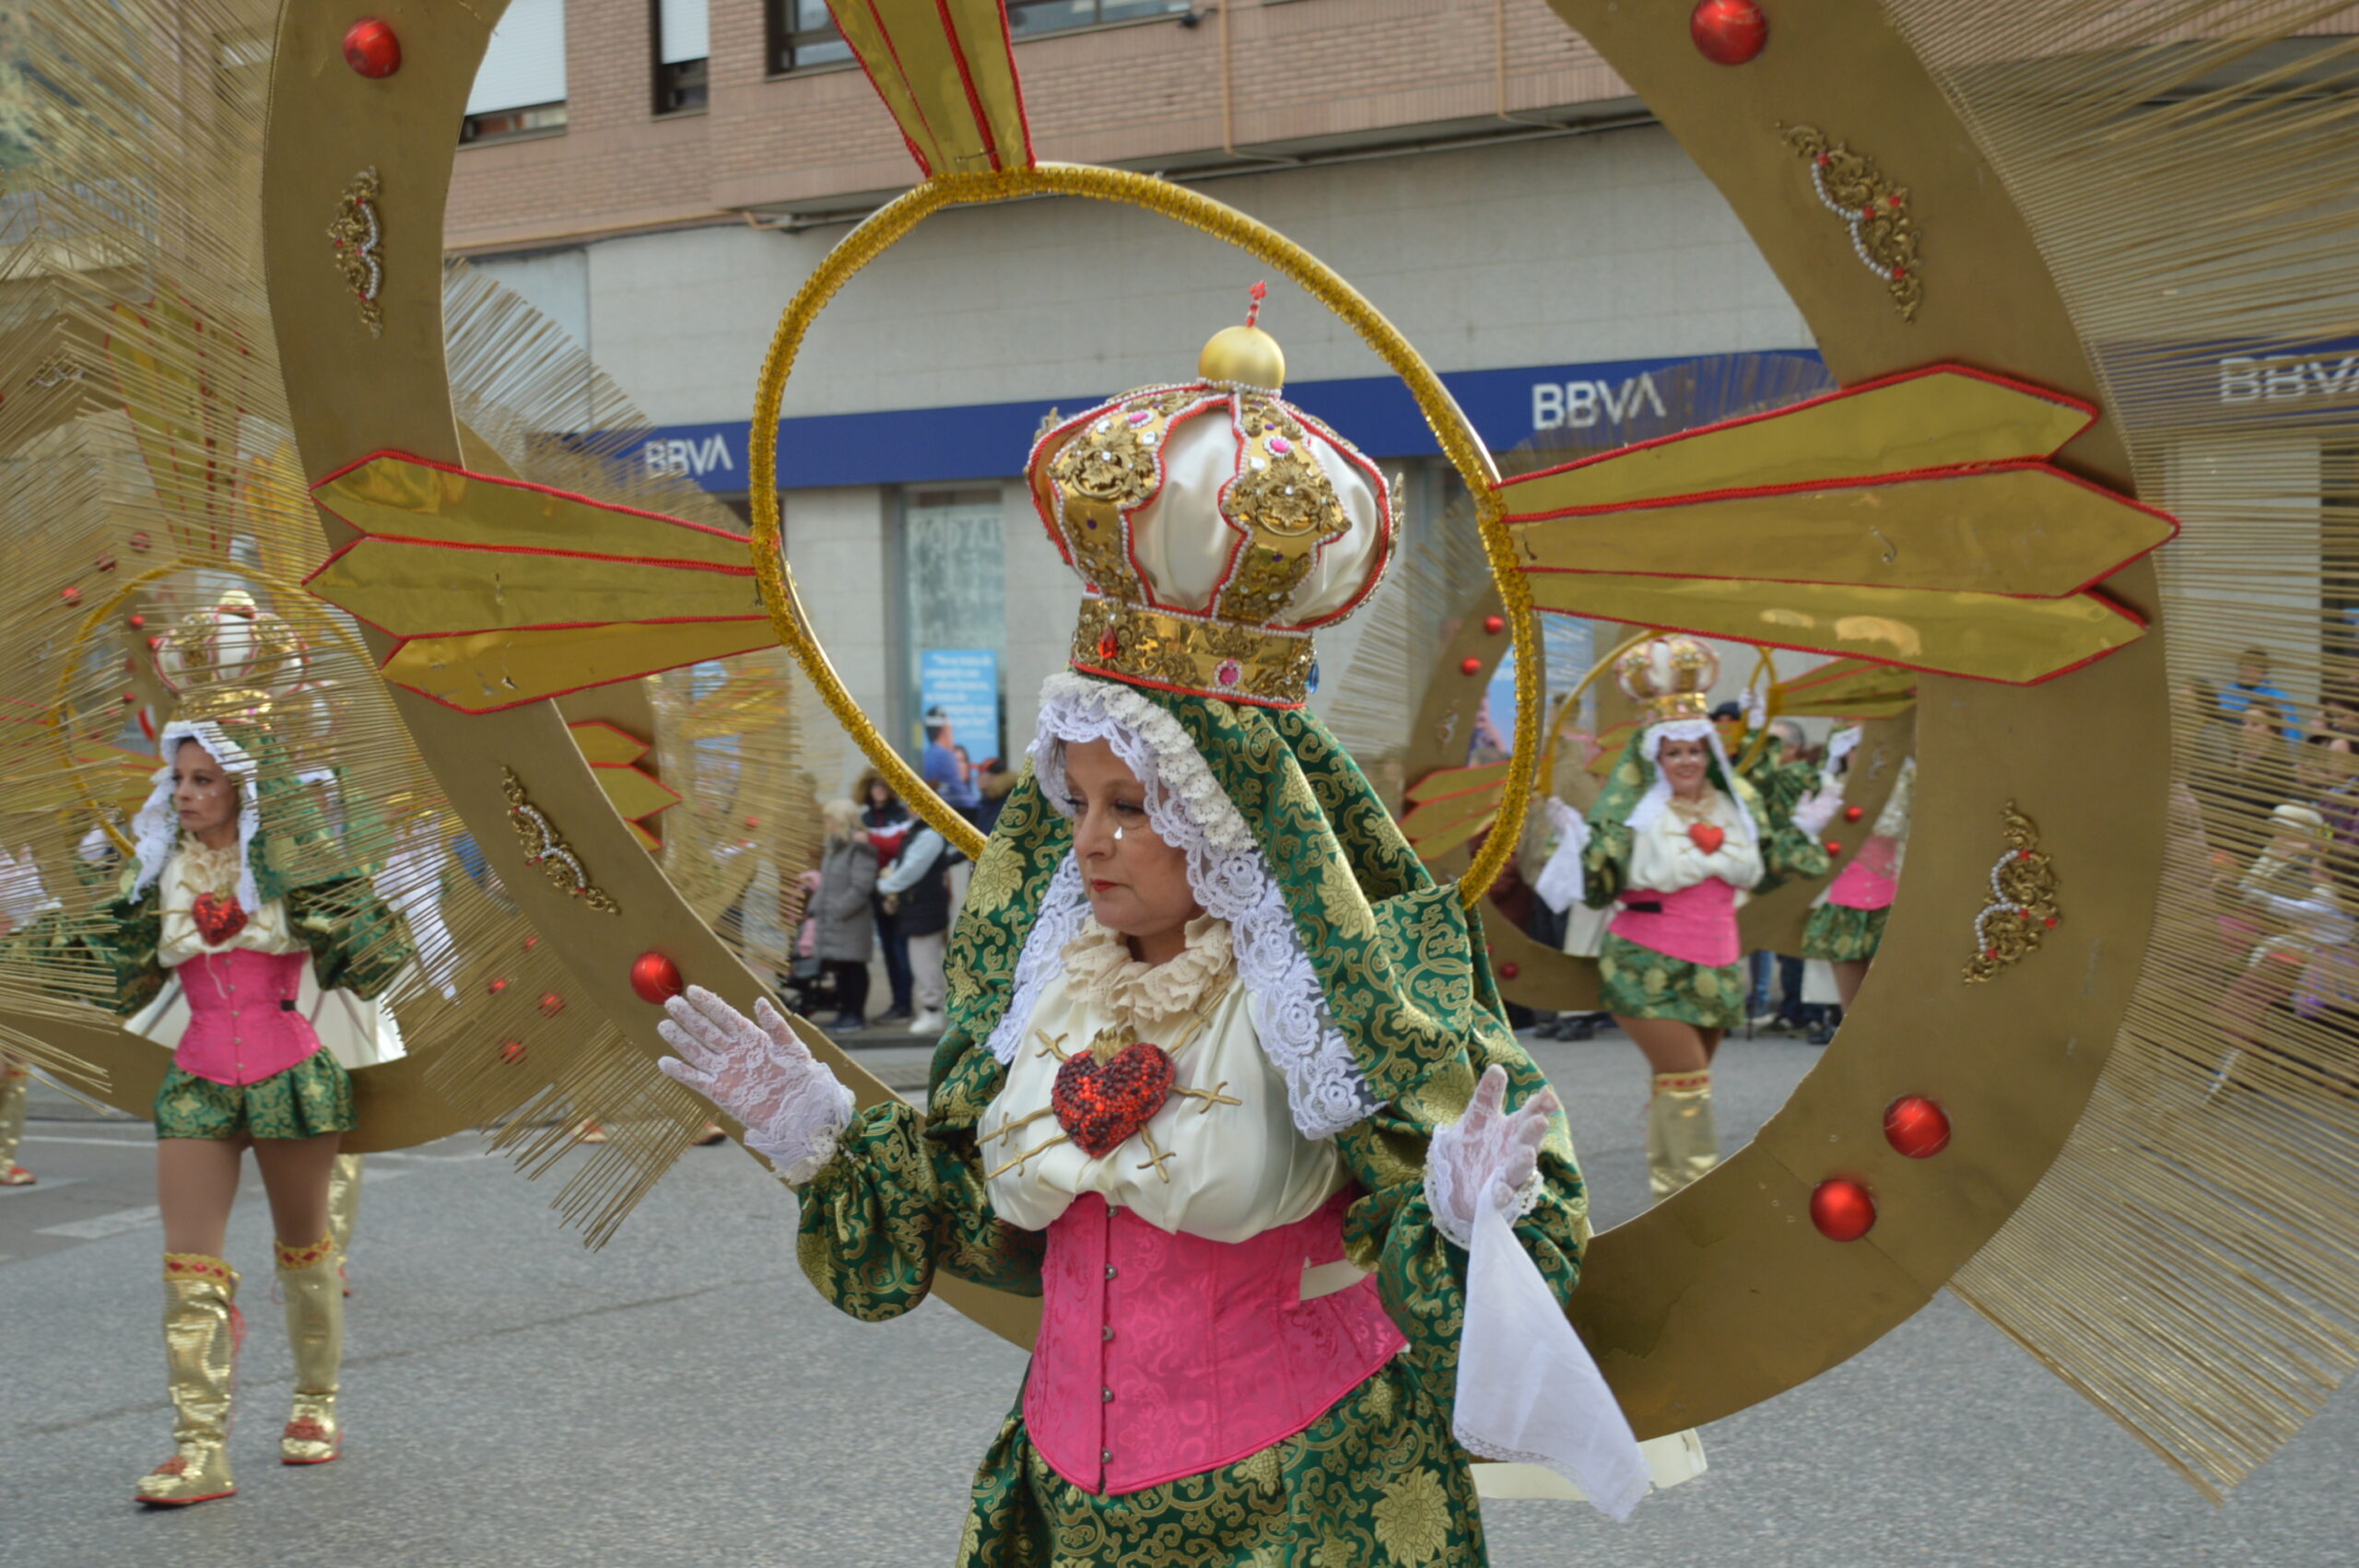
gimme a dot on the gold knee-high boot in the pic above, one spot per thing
(1683, 1141)
(16, 1089)
(201, 1331)
(344, 1207)
(307, 1277)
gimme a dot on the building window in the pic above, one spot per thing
(681, 44)
(802, 34)
(1030, 18)
(954, 600)
(520, 87)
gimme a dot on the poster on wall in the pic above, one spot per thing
(961, 685)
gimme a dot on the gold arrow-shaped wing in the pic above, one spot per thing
(503, 592)
(1911, 522)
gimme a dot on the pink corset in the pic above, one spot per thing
(1163, 1356)
(242, 1024)
(1867, 882)
(1697, 924)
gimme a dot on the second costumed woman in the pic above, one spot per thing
(1846, 925)
(235, 889)
(1676, 842)
(1226, 1080)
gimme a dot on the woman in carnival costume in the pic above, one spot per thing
(1846, 926)
(1678, 840)
(234, 888)
(1226, 1082)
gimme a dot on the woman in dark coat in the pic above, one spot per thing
(847, 924)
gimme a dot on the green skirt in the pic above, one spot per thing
(307, 1099)
(1843, 936)
(1375, 1482)
(1638, 982)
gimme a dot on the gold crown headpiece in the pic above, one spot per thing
(230, 659)
(1215, 526)
(1668, 678)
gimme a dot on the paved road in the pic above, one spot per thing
(684, 1398)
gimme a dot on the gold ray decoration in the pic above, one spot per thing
(501, 593)
(946, 72)
(1912, 520)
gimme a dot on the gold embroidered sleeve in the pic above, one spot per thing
(1390, 1231)
(904, 1197)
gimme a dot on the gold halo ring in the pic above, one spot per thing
(892, 222)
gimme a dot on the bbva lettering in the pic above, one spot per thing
(1580, 404)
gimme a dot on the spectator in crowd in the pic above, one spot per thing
(887, 822)
(940, 766)
(993, 781)
(847, 921)
(2252, 685)
(918, 890)
(2255, 778)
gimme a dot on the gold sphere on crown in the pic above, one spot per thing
(1245, 357)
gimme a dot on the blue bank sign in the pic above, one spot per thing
(1571, 408)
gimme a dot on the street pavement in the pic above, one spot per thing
(684, 1398)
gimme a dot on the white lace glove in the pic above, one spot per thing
(1815, 810)
(761, 1073)
(1487, 1156)
(1559, 882)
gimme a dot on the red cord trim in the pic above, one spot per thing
(334, 475)
(2117, 607)
(967, 80)
(916, 102)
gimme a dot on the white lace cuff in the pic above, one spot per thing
(1454, 1212)
(802, 1137)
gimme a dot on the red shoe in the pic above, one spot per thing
(16, 1176)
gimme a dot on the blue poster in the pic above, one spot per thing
(962, 686)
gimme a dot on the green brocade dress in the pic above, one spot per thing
(1376, 1479)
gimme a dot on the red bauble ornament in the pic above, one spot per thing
(1842, 1210)
(1728, 32)
(656, 978)
(511, 1051)
(106, 563)
(1853, 814)
(370, 48)
(1915, 1126)
(551, 1004)
(137, 622)
(1470, 665)
(1835, 846)
(1509, 971)
(1495, 625)
(70, 596)
(497, 986)
(139, 540)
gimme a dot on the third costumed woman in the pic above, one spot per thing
(1677, 841)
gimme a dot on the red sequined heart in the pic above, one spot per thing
(1101, 1104)
(1708, 837)
(217, 919)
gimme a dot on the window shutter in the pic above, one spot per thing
(686, 31)
(525, 63)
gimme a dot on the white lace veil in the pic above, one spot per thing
(156, 830)
(1186, 807)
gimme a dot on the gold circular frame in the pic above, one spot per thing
(1725, 1295)
(894, 222)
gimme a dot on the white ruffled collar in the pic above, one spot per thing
(1136, 995)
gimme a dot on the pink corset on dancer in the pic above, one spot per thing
(1163, 1356)
(1868, 883)
(1696, 924)
(243, 1022)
